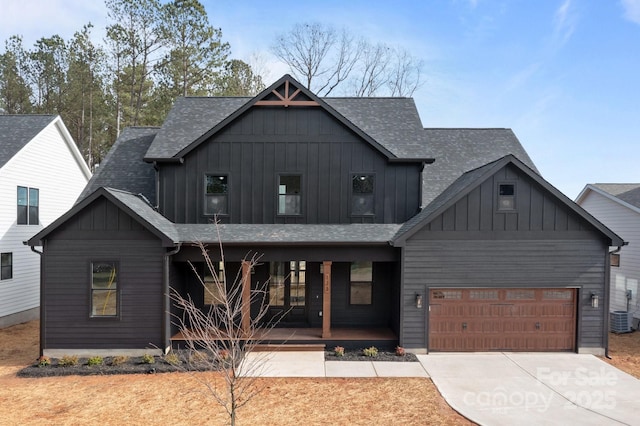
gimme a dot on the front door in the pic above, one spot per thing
(288, 292)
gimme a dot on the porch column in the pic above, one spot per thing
(326, 299)
(246, 296)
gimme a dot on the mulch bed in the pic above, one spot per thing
(359, 356)
(133, 365)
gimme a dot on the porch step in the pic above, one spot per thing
(289, 347)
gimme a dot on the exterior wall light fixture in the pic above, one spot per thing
(594, 300)
(418, 301)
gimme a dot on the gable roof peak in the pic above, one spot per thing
(286, 92)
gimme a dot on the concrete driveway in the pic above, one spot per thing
(535, 388)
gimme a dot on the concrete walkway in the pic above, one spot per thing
(492, 388)
(535, 389)
(312, 364)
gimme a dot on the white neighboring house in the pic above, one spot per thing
(617, 205)
(41, 175)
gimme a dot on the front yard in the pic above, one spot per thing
(624, 351)
(176, 398)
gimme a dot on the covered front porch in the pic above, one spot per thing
(283, 338)
(351, 300)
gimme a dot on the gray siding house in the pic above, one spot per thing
(617, 205)
(372, 230)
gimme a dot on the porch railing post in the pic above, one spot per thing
(326, 299)
(246, 296)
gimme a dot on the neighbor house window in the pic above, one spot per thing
(28, 206)
(216, 195)
(361, 288)
(289, 194)
(506, 196)
(6, 266)
(214, 286)
(104, 289)
(362, 194)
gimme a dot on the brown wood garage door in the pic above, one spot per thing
(502, 319)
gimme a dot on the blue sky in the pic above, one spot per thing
(563, 74)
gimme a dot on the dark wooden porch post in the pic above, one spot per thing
(246, 296)
(326, 300)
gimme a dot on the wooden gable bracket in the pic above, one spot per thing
(288, 99)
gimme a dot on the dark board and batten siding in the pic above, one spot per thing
(265, 142)
(536, 210)
(542, 244)
(99, 233)
(503, 264)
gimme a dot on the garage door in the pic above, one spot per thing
(502, 319)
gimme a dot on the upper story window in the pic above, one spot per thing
(104, 289)
(289, 194)
(362, 202)
(506, 196)
(216, 194)
(28, 206)
(7, 266)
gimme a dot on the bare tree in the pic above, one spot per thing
(317, 54)
(221, 338)
(326, 59)
(406, 73)
(373, 69)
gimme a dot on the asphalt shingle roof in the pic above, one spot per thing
(18, 130)
(288, 234)
(190, 118)
(394, 123)
(460, 150)
(627, 192)
(123, 167)
(146, 212)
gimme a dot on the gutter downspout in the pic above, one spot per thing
(157, 184)
(166, 299)
(607, 304)
(42, 315)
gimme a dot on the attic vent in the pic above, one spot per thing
(506, 196)
(286, 95)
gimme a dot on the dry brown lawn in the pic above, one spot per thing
(176, 398)
(624, 351)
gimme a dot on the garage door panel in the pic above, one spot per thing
(502, 319)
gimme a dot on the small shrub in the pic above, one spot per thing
(370, 352)
(172, 358)
(95, 360)
(44, 361)
(148, 359)
(68, 361)
(119, 359)
(400, 351)
(197, 356)
(338, 351)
